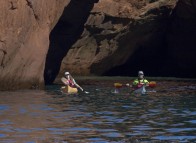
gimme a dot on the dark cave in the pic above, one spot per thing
(174, 56)
(66, 32)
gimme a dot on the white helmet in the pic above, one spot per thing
(66, 73)
(140, 73)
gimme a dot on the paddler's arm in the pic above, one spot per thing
(146, 82)
(64, 81)
(77, 85)
(135, 83)
(129, 85)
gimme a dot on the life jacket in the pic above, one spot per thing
(71, 83)
(139, 83)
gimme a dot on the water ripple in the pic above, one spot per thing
(98, 117)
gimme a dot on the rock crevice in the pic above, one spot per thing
(66, 32)
(30, 4)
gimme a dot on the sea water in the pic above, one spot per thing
(48, 116)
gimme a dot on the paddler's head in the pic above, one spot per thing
(67, 74)
(141, 74)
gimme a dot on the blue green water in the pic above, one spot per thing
(98, 117)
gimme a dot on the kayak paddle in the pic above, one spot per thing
(152, 84)
(86, 92)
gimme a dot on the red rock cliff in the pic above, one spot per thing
(112, 37)
(25, 26)
(115, 31)
(124, 36)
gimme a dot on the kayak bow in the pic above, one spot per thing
(69, 90)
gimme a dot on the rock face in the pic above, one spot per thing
(114, 32)
(25, 26)
(39, 39)
(124, 36)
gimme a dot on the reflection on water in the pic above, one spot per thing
(99, 117)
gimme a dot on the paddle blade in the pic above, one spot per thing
(64, 80)
(152, 84)
(117, 85)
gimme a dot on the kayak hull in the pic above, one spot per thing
(69, 90)
(141, 90)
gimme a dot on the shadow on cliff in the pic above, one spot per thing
(66, 32)
(172, 53)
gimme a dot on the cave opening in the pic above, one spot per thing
(155, 62)
(174, 56)
(66, 32)
(149, 60)
(150, 55)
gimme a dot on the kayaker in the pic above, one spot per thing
(71, 82)
(140, 81)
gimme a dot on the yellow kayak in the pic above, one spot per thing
(69, 90)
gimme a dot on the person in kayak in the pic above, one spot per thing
(69, 80)
(139, 82)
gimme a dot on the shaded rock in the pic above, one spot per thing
(66, 32)
(173, 55)
(114, 32)
(124, 36)
(181, 39)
